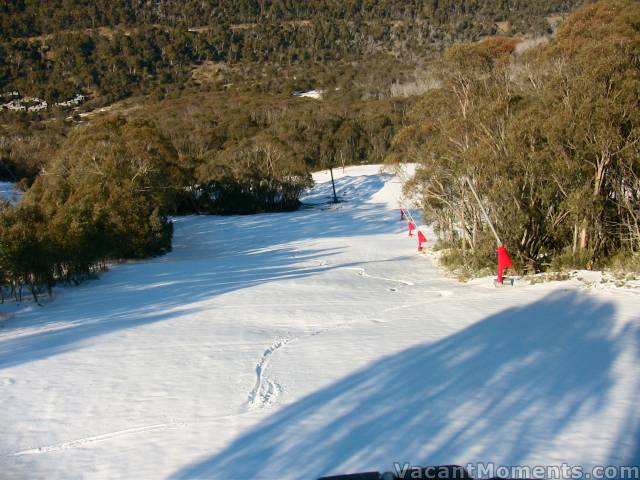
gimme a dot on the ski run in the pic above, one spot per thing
(317, 342)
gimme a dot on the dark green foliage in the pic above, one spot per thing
(550, 139)
(260, 174)
(112, 180)
(112, 50)
(231, 195)
(26, 145)
(27, 18)
(104, 197)
(242, 153)
(26, 257)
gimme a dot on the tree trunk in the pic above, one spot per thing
(474, 235)
(583, 236)
(34, 293)
(463, 231)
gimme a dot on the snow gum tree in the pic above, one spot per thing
(550, 138)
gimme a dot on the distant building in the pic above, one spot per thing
(14, 105)
(34, 104)
(79, 98)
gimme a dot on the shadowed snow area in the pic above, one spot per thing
(294, 345)
(9, 192)
(523, 385)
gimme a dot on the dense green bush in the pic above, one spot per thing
(104, 197)
(230, 195)
(550, 139)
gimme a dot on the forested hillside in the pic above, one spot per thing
(28, 18)
(200, 107)
(114, 49)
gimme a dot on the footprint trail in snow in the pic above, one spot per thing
(265, 392)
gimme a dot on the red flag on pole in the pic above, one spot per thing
(411, 229)
(504, 262)
(421, 239)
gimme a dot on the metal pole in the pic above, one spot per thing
(333, 184)
(484, 212)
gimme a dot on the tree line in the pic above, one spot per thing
(112, 50)
(29, 18)
(549, 137)
(110, 186)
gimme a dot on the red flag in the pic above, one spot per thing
(421, 239)
(504, 262)
(411, 229)
(401, 214)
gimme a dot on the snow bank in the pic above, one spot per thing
(315, 94)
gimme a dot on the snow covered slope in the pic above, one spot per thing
(299, 344)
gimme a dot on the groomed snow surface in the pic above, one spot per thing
(301, 344)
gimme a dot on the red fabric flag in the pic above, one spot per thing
(421, 239)
(401, 214)
(411, 229)
(504, 262)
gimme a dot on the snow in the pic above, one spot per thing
(9, 192)
(300, 344)
(315, 94)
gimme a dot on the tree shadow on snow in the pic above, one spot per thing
(357, 215)
(348, 188)
(211, 256)
(626, 449)
(130, 296)
(499, 390)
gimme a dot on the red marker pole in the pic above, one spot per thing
(401, 214)
(411, 229)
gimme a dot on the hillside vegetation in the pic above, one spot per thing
(112, 50)
(550, 138)
(206, 121)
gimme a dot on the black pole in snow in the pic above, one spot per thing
(335, 197)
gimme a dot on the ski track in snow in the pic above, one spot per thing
(363, 273)
(96, 438)
(81, 442)
(265, 393)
